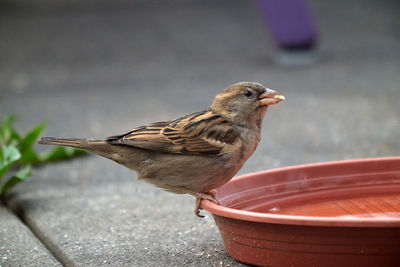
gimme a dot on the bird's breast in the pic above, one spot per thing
(251, 138)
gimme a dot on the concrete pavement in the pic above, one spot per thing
(95, 70)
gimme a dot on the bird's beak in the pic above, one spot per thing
(270, 97)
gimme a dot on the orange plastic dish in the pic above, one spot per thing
(343, 213)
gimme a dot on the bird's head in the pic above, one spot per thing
(245, 103)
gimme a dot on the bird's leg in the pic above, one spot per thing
(199, 196)
(213, 193)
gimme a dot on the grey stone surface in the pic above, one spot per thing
(19, 246)
(98, 70)
(116, 221)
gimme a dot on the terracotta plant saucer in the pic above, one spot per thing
(343, 213)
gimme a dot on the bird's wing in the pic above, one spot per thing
(201, 133)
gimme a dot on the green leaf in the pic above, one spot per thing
(76, 152)
(19, 151)
(8, 155)
(31, 137)
(30, 157)
(7, 132)
(22, 175)
(62, 153)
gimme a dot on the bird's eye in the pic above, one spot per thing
(248, 93)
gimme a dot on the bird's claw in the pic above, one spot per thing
(208, 196)
(197, 208)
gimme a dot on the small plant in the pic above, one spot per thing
(17, 153)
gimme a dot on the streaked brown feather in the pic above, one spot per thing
(198, 133)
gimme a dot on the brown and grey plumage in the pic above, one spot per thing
(194, 153)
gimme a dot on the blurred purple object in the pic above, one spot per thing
(291, 23)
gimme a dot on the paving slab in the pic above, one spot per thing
(112, 219)
(96, 71)
(19, 246)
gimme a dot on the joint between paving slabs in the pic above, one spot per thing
(47, 243)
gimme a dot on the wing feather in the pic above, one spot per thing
(199, 133)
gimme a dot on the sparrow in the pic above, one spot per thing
(193, 154)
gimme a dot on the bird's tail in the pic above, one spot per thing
(72, 142)
(122, 154)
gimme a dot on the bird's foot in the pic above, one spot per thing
(208, 196)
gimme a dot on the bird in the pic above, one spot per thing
(193, 154)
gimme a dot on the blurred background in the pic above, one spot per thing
(96, 68)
